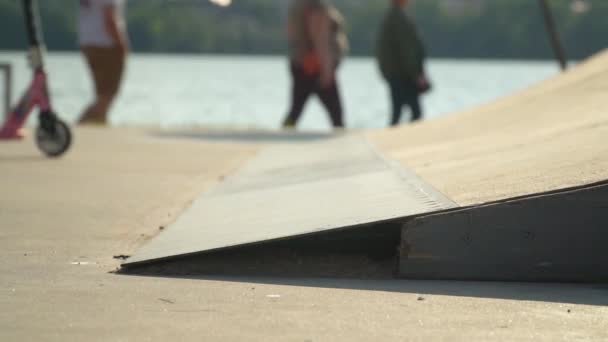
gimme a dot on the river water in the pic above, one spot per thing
(253, 92)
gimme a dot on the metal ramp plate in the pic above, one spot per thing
(295, 190)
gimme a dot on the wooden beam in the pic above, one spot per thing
(553, 237)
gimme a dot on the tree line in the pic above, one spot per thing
(479, 29)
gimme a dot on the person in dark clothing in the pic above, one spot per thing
(303, 86)
(316, 43)
(401, 55)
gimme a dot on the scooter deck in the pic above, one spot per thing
(13, 128)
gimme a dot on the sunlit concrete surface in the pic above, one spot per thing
(548, 137)
(63, 221)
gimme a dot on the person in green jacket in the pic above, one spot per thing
(401, 55)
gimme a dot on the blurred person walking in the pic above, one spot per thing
(401, 56)
(317, 44)
(104, 44)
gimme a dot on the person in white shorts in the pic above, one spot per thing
(105, 45)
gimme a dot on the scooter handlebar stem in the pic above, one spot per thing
(35, 57)
(34, 33)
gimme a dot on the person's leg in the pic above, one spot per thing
(302, 87)
(91, 60)
(330, 97)
(106, 65)
(114, 71)
(416, 108)
(412, 99)
(95, 113)
(397, 100)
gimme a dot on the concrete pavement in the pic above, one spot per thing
(63, 221)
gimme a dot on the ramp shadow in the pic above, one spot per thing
(367, 252)
(249, 136)
(577, 294)
(364, 259)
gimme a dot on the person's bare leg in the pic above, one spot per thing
(106, 66)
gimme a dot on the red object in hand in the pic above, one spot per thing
(423, 84)
(311, 64)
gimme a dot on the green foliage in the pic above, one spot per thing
(497, 29)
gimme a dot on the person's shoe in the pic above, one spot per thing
(93, 121)
(289, 124)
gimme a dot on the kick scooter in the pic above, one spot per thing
(53, 136)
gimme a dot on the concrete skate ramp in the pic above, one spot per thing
(551, 136)
(548, 138)
(294, 191)
(557, 236)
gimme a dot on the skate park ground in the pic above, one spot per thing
(67, 223)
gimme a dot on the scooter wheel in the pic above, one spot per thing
(53, 137)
